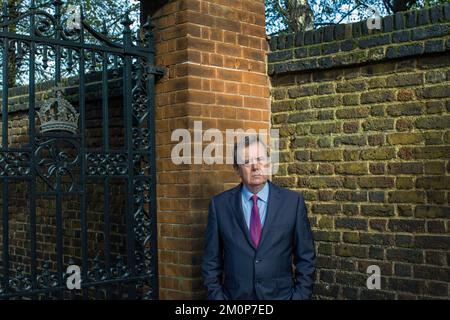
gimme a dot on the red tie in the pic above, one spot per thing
(255, 222)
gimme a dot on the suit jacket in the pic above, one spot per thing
(233, 268)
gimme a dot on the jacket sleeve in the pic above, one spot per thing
(212, 264)
(304, 254)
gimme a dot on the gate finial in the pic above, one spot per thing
(5, 11)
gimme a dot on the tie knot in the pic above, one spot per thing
(255, 198)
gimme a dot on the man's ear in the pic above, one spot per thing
(267, 169)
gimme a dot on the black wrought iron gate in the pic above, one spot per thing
(78, 187)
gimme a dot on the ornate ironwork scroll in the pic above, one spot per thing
(103, 164)
(14, 163)
(58, 158)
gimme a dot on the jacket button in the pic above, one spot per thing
(257, 261)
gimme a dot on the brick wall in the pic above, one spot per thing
(365, 125)
(214, 52)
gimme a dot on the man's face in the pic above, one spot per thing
(255, 170)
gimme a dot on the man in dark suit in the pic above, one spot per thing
(256, 232)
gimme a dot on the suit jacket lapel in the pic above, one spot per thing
(272, 208)
(236, 203)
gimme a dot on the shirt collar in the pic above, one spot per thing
(263, 194)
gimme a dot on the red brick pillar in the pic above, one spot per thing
(215, 55)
